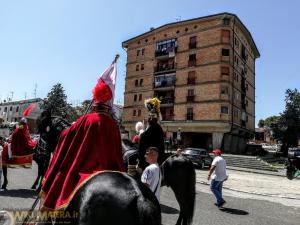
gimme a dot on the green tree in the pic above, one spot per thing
(261, 123)
(56, 103)
(290, 118)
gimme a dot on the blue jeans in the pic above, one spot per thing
(216, 188)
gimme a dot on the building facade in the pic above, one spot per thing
(11, 112)
(203, 71)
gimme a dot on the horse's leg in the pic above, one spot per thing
(5, 181)
(179, 219)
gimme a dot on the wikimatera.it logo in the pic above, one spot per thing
(18, 216)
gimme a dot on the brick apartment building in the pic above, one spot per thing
(203, 71)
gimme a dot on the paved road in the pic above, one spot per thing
(241, 208)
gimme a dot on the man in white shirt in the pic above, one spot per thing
(218, 174)
(151, 175)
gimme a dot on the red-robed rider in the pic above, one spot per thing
(91, 145)
(19, 150)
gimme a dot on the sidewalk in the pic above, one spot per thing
(257, 184)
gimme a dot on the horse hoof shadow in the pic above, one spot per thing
(168, 210)
(234, 211)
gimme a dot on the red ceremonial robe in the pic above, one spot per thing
(90, 145)
(21, 148)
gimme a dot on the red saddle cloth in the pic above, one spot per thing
(90, 145)
(21, 148)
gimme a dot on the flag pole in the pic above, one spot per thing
(90, 105)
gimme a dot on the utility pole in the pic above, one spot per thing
(25, 95)
(12, 95)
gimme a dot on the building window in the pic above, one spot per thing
(237, 96)
(189, 114)
(134, 112)
(137, 67)
(143, 51)
(236, 77)
(5, 109)
(243, 53)
(142, 66)
(193, 42)
(192, 60)
(191, 77)
(224, 109)
(135, 98)
(136, 83)
(225, 70)
(139, 112)
(10, 109)
(190, 96)
(140, 97)
(186, 29)
(236, 113)
(137, 52)
(224, 90)
(236, 42)
(226, 21)
(141, 82)
(225, 52)
(17, 109)
(191, 92)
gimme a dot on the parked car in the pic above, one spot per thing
(199, 156)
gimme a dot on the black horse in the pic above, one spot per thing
(111, 198)
(50, 128)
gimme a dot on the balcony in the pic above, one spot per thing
(166, 52)
(167, 100)
(192, 45)
(190, 98)
(164, 81)
(191, 63)
(165, 68)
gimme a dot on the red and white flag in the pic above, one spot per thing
(104, 91)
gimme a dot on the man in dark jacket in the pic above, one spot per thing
(153, 136)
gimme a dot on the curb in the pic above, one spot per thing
(263, 172)
(248, 192)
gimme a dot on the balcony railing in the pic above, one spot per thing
(190, 98)
(164, 81)
(167, 100)
(164, 68)
(166, 52)
(192, 63)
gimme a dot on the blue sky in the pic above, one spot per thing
(73, 41)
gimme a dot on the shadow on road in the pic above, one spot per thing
(19, 193)
(234, 211)
(168, 210)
